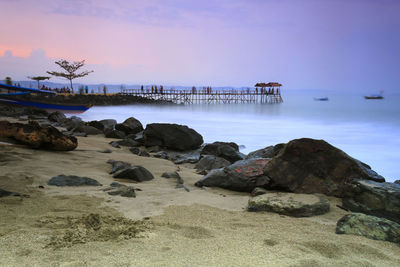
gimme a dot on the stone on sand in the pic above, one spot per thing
(296, 205)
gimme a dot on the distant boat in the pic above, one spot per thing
(321, 98)
(18, 98)
(376, 96)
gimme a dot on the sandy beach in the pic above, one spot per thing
(162, 226)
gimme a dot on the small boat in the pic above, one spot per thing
(321, 98)
(376, 96)
(17, 96)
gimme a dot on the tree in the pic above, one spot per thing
(71, 69)
(8, 81)
(39, 78)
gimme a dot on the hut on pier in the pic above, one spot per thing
(271, 90)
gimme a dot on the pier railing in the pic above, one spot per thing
(209, 96)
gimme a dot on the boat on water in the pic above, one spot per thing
(376, 96)
(325, 98)
(19, 96)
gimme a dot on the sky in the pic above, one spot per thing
(303, 44)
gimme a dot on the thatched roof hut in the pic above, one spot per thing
(270, 84)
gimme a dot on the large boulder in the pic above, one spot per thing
(369, 226)
(130, 126)
(377, 199)
(296, 205)
(244, 175)
(172, 136)
(268, 152)
(228, 151)
(136, 173)
(210, 162)
(36, 136)
(314, 166)
(72, 180)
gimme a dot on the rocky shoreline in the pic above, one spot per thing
(304, 178)
(300, 167)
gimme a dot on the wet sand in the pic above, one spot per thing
(162, 226)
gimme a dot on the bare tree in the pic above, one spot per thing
(71, 69)
(39, 78)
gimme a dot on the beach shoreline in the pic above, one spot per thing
(203, 227)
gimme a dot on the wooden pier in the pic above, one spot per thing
(262, 93)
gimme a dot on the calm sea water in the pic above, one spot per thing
(368, 130)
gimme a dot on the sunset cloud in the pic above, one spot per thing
(303, 44)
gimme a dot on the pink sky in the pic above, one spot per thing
(303, 44)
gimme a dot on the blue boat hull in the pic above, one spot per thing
(68, 108)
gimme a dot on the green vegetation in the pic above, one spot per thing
(71, 69)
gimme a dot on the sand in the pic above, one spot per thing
(162, 226)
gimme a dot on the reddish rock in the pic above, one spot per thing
(314, 166)
(36, 136)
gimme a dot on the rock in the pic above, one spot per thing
(179, 180)
(115, 144)
(210, 162)
(296, 205)
(72, 180)
(212, 149)
(314, 166)
(268, 152)
(139, 151)
(171, 175)
(135, 150)
(130, 126)
(105, 151)
(228, 151)
(108, 124)
(35, 136)
(5, 193)
(136, 173)
(258, 191)
(110, 133)
(369, 226)
(115, 184)
(90, 130)
(117, 189)
(172, 136)
(128, 142)
(96, 124)
(244, 175)
(183, 158)
(57, 117)
(161, 155)
(118, 165)
(139, 138)
(153, 149)
(377, 199)
(143, 153)
(397, 182)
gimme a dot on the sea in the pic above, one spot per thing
(368, 130)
